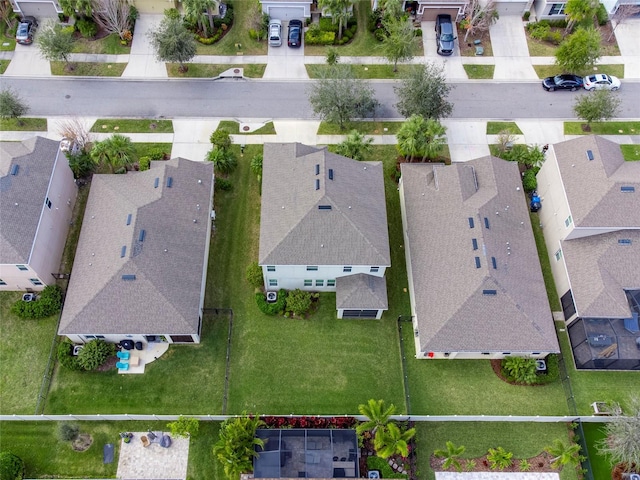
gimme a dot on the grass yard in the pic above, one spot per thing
(24, 352)
(596, 386)
(593, 434)
(109, 44)
(524, 440)
(468, 48)
(631, 153)
(365, 72)
(495, 128)
(367, 128)
(124, 125)
(23, 124)
(544, 71)
(476, 72)
(204, 70)
(233, 128)
(543, 255)
(603, 128)
(3, 66)
(88, 69)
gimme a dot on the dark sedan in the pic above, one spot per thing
(295, 34)
(562, 82)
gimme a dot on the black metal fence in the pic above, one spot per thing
(48, 371)
(229, 312)
(405, 378)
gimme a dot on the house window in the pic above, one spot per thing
(568, 221)
(22, 268)
(558, 254)
(374, 269)
(92, 337)
(2, 282)
(331, 283)
(47, 202)
(346, 269)
(557, 9)
(35, 281)
(273, 282)
(312, 268)
(319, 283)
(271, 268)
(308, 283)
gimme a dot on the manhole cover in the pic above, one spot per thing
(245, 128)
(236, 70)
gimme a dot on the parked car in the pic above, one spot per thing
(444, 34)
(601, 81)
(562, 82)
(26, 30)
(275, 32)
(295, 33)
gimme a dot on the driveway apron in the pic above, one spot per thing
(142, 60)
(510, 50)
(26, 61)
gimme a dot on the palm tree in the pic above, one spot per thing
(410, 138)
(198, 11)
(392, 441)
(434, 139)
(563, 454)
(378, 416)
(355, 146)
(116, 151)
(339, 10)
(223, 160)
(451, 455)
(236, 447)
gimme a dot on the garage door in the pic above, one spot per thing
(430, 14)
(286, 13)
(38, 9)
(152, 6)
(511, 8)
(359, 314)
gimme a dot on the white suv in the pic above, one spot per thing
(275, 33)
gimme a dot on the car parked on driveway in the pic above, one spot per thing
(26, 30)
(601, 81)
(275, 32)
(295, 33)
(444, 34)
(562, 82)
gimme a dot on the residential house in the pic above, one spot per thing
(475, 283)
(324, 227)
(289, 9)
(40, 9)
(426, 10)
(554, 9)
(37, 195)
(141, 262)
(591, 219)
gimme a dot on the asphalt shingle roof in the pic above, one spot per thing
(168, 263)
(453, 312)
(361, 292)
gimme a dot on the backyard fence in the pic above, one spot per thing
(48, 371)
(405, 378)
(224, 311)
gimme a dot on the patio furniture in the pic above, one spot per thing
(122, 366)
(138, 345)
(599, 340)
(145, 441)
(609, 351)
(631, 325)
(134, 361)
(123, 355)
(165, 441)
(127, 344)
(107, 453)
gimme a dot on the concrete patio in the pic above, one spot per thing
(154, 461)
(140, 358)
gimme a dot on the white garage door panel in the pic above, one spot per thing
(286, 13)
(38, 9)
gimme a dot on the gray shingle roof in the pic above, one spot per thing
(35, 158)
(361, 292)
(294, 231)
(593, 186)
(168, 263)
(453, 313)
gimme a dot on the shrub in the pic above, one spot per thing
(333, 57)
(519, 369)
(48, 303)
(376, 463)
(157, 154)
(418, 32)
(87, 27)
(68, 30)
(222, 184)
(66, 357)
(539, 30)
(524, 466)
(95, 353)
(380, 34)
(11, 466)
(499, 458)
(554, 37)
(557, 23)
(602, 15)
(315, 36)
(144, 163)
(184, 427)
(298, 302)
(254, 275)
(526, 15)
(224, 161)
(275, 308)
(172, 13)
(68, 432)
(326, 25)
(529, 180)
(253, 34)
(220, 138)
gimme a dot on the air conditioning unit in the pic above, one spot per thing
(634, 476)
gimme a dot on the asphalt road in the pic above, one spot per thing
(240, 98)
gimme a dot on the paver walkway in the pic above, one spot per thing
(153, 462)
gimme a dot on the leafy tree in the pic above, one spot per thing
(184, 427)
(11, 466)
(95, 353)
(393, 441)
(499, 458)
(481, 15)
(377, 414)
(55, 43)
(113, 16)
(173, 42)
(597, 106)
(11, 105)
(338, 97)
(298, 302)
(420, 137)
(391, 9)
(579, 51)
(221, 139)
(355, 146)
(340, 11)
(623, 13)
(579, 10)
(256, 166)
(224, 161)
(333, 57)
(529, 181)
(68, 432)
(200, 12)
(399, 43)
(520, 369)
(424, 92)
(451, 455)
(81, 164)
(563, 454)
(66, 358)
(236, 447)
(79, 8)
(116, 151)
(622, 443)
(6, 13)
(254, 275)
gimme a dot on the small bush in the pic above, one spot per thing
(68, 30)
(87, 27)
(172, 13)
(144, 163)
(539, 30)
(519, 369)
(253, 34)
(275, 308)
(298, 302)
(529, 181)
(66, 357)
(253, 275)
(68, 432)
(380, 34)
(557, 23)
(48, 303)
(157, 154)
(602, 15)
(499, 458)
(184, 427)
(332, 56)
(418, 32)
(554, 37)
(11, 466)
(526, 15)
(95, 353)
(222, 184)
(326, 25)
(315, 36)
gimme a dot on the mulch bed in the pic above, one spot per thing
(82, 443)
(539, 463)
(110, 364)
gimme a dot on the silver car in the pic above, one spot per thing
(275, 32)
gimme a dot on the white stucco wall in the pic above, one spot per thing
(291, 277)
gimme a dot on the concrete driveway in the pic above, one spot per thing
(452, 64)
(26, 61)
(628, 37)
(284, 62)
(142, 60)
(510, 50)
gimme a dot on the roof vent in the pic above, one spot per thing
(474, 242)
(129, 219)
(489, 292)
(156, 182)
(324, 207)
(317, 184)
(627, 189)
(477, 262)
(169, 182)
(317, 169)
(331, 174)
(624, 241)
(589, 155)
(143, 233)
(128, 277)
(123, 251)
(14, 169)
(486, 223)
(493, 263)
(471, 222)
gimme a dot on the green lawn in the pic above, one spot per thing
(23, 124)
(364, 72)
(233, 128)
(524, 440)
(544, 71)
(203, 70)
(109, 45)
(3, 65)
(146, 149)
(549, 283)
(603, 128)
(631, 153)
(124, 125)
(476, 72)
(593, 434)
(24, 352)
(88, 69)
(495, 128)
(367, 128)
